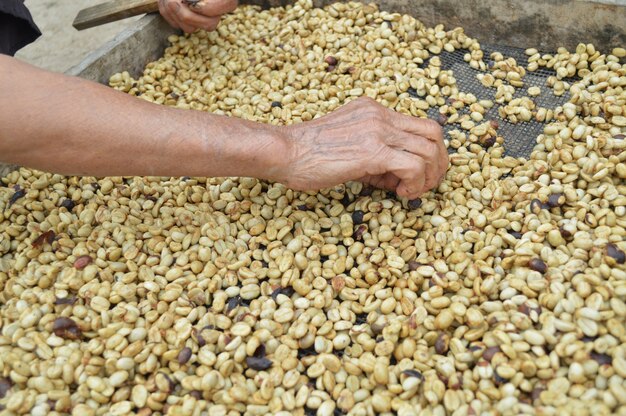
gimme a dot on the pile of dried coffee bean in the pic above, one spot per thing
(502, 292)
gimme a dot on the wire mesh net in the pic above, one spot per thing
(520, 137)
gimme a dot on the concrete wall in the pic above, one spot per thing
(61, 46)
(544, 24)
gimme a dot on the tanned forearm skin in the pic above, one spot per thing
(64, 124)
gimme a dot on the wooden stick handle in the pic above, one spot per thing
(113, 11)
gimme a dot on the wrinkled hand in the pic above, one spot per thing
(365, 141)
(192, 15)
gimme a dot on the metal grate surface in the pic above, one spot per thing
(519, 138)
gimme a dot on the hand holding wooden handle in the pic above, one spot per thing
(113, 11)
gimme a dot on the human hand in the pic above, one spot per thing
(190, 15)
(365, 141)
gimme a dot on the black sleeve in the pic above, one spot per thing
(17, 28)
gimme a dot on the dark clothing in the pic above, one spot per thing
(17, 28)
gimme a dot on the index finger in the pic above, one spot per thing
(190, 21)
(424, 127)
(421, 145)
(428, 150)
(214, 8)
(411, 170)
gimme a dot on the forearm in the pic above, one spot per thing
(67, 125)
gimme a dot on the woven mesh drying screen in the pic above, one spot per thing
(519, 138)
